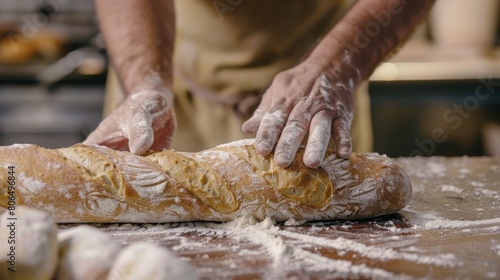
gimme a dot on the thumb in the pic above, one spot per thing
(108, 136)
(252, 124)
(94, 137)
(140, 133)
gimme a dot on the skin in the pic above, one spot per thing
(314, 98)
(139, 37)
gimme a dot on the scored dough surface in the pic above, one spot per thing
(87, 183)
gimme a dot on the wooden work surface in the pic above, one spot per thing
(450, 230)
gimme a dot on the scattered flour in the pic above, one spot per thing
(464, 171)
(270, 237)
(489, 193)
(293, 222)
(31, 185)
(496, 248)
(341, 243)
(435, 169)
(287, 248)
(441, 223)
(477, 184)
(451, 189)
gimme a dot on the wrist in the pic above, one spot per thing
(347, 45)
(339, 66)
(153, 83)
(142, 74)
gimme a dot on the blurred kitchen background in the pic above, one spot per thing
(52, 71)
(439, 95)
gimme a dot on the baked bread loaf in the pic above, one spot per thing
(86, 183)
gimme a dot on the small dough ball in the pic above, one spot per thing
(86, 253)
(144, 261)
(33, 237)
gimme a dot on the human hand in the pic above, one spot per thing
(309, 98)
(145, 120)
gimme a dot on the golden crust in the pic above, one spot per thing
(86, 183)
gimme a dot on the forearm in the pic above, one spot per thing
(139, 36)
(368, 33)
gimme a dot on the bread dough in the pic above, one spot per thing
(86, 254)
(87, 183)
(36, 246)
(144, 261)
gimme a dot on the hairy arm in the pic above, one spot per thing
(316, 97)
(370, 31)
(139, 36)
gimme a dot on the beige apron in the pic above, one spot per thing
(228, 52)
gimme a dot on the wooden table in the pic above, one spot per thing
(450, 230)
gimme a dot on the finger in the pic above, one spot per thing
(252, 124)
(269, 131)
(140, 133)
(342, 137)
(104, 137)
(292, 136)
(96, 137)
(162, 140)
(163, 136)
(319, 137)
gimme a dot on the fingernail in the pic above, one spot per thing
(312, 160)
(263, 147)
(247, 127)
(282, 160)
(344, 152)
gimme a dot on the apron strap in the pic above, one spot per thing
(242, 106)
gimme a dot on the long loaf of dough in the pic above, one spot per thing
(86, 183)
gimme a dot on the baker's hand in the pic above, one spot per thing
(308, 98)
(145, 120)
